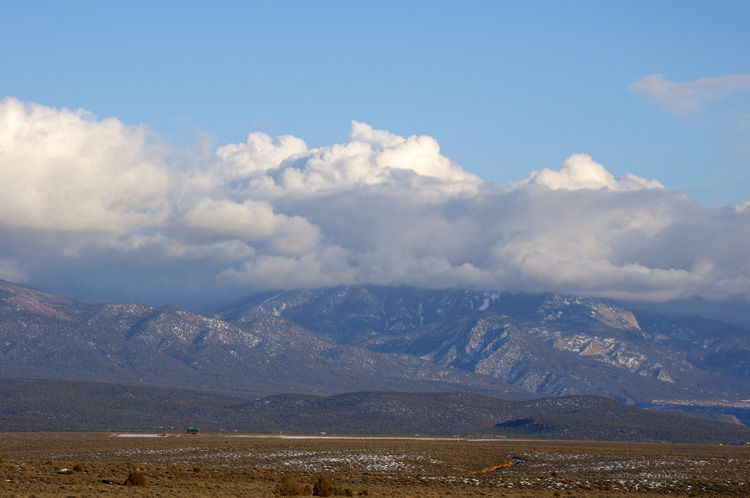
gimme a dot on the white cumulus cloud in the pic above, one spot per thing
(579, 171)
(64, 171)
(91, 197)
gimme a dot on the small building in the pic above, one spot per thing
(192, 431)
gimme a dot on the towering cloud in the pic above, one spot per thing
(78, 192)
(65, 172)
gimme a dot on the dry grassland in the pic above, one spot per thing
(217, 466)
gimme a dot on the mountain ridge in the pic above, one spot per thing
(45, 336)
(365, 338)
(51, 405)
(543, 343)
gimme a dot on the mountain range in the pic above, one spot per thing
(370, 338)
(45, 336)
(542, 343)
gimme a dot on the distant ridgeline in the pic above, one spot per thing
(32, 405)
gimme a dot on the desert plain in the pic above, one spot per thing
(42, 465)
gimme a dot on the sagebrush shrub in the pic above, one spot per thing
(136, 478)
(323, 487)
(289, 486)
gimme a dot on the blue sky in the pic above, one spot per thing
(507, 89)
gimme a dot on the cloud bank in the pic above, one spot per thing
(690, 96)
(111, 205)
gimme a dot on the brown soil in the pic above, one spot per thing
(217, 466)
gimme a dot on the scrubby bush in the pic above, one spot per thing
(323, 487)
(136, 478)
(289, 486)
